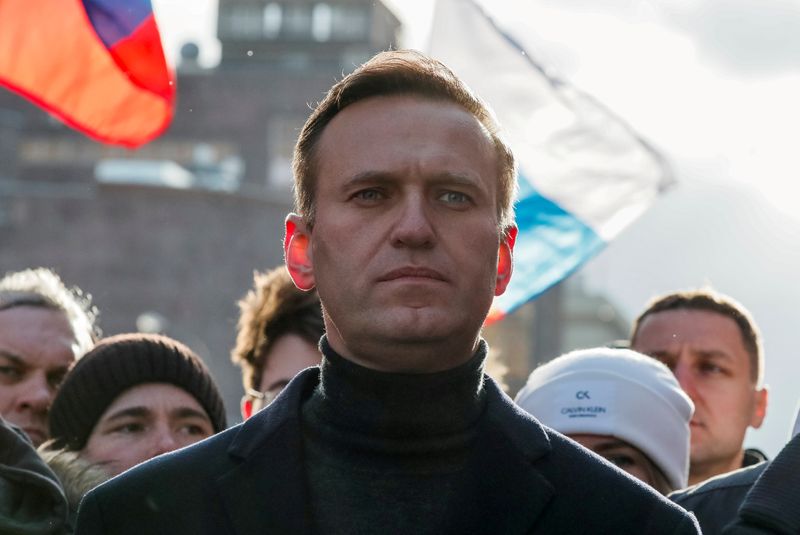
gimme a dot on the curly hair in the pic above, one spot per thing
(273, 308)
(42, 287)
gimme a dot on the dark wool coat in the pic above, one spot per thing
(773, 504)
(716, 502)
(31, 499)
(520, 478)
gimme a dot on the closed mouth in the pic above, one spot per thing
(412, 272)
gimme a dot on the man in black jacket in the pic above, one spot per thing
(405, 227)
(717, 502)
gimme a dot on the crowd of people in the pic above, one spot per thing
(366, 404)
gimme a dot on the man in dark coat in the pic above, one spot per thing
(773, 503)
(721, 500)
(405, 227)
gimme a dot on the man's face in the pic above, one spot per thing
(288, 355)
(37, 346)
(145, 421)
(404, 250)
(706, 353)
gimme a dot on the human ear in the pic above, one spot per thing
(505, 257)
(246, 406)
(760, 408)
(297, 252)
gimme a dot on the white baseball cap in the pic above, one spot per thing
(620, 393)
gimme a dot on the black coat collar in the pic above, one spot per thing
(502, 488)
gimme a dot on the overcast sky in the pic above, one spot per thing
(714, 85)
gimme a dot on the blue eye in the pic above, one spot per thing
(454, 197)
(369, 195)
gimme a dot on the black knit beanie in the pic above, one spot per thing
(118, 363)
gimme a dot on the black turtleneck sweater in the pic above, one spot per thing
(384, 451)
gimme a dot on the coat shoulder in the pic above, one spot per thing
(715, 502)
(588, 492)
(609, 498)
(154, 492)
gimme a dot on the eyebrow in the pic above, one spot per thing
(130, 412)
(716, 353)
(372, 177)
(188, 412)
(706, 353)
(144, 412)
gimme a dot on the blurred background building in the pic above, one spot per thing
(167, 237)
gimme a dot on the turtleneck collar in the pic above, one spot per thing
(383, 405)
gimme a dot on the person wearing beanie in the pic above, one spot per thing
(132, 397)
(405, 228)
(624, 406)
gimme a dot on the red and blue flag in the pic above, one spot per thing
(98, 65)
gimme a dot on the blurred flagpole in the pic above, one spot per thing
(584, 174)
(98, 65)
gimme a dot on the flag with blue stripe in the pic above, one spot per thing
(584, 173)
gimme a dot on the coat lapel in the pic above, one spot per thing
(502, 491)
(266, 492)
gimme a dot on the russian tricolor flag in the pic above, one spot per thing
(584, 174)
(96, 64)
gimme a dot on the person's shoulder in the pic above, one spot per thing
(716, 501)
(586, 489)
(587, 481)
(197, 460)
(737, 481)
(142, 498)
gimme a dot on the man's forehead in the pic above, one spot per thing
(704, 328)
(372, 110)
(36, 325)
(380, 133)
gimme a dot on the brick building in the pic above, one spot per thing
(167, 237)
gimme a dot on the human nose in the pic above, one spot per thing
(163, 441)
(685, 377)
(413, 227)
(36, 394)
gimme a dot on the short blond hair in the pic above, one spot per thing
(42, 287)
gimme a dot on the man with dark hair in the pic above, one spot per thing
(713, 347)
(44, 328)
(278, 332)
(405, 227)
